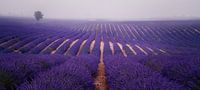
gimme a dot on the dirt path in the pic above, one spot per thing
(133, 51)
(49, 45)
(74, 42)
(53, 52)
(92, 46)
(141, 49)
(111, 47)
(123, 51)
(100, 81)
(81, 47)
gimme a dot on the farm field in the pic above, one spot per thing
(99, 55)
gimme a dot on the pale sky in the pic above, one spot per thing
(102, 9)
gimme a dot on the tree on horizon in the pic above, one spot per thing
(38, 15)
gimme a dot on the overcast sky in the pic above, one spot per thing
(102, 9)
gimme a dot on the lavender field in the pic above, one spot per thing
(99, 55)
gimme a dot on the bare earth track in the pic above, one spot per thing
(100, 81)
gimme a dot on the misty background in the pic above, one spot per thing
(103, 9)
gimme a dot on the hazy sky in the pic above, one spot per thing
(102, 9)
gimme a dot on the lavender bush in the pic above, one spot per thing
(74, 74)
(122, 73)
(183, 69)
(16, 68)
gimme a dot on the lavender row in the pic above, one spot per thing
(122, 74)
(18, 68)
(86, 48)
(65, 46)
(74, 74)
(55, 45)
(183, 69)
(96, 49)
(75, 48)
